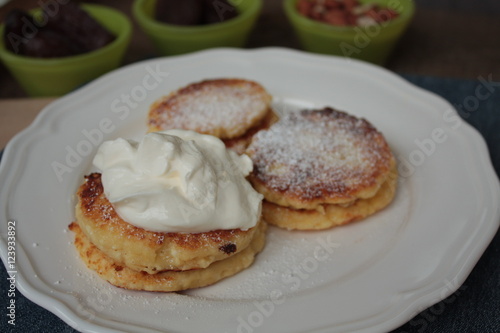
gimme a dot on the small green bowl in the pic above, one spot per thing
(58, 76)
(175, 39)
(373, 44)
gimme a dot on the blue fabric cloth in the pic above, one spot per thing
(475, 307)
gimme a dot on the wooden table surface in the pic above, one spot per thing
(447, 38)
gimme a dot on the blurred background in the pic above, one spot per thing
(447, 38)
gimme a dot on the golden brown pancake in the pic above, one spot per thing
(316, 157)
(148, 251)
(122, 276)
(328, 215)
(323, 166)
(225, 108)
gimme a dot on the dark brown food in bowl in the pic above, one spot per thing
(80, 27)
(49, 44)
(186, 12)
(194, 12)
(66, 32)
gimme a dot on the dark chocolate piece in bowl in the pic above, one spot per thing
(186, 12)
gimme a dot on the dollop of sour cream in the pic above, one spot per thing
(178, 181)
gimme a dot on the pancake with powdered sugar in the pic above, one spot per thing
(229, 109)
(315, 158)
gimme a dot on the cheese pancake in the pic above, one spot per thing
(122, 276)
(317, 157)
(148, 251)
(225, 108)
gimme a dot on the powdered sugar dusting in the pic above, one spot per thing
(318, 153)
(227, 105)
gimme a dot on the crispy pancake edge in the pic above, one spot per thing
(332, 215)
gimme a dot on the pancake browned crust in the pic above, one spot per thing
(149, 251)
(225, 108)
(328, 216)
(317, 157)
(125, 277)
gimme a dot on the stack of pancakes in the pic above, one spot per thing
(135, 258)
(231, 109)
(321, 168)
(316, 169)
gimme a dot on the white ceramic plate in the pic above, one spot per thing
(370, 276)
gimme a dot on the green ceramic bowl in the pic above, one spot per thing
(373, 44)
(57, 76)
(174, 39)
